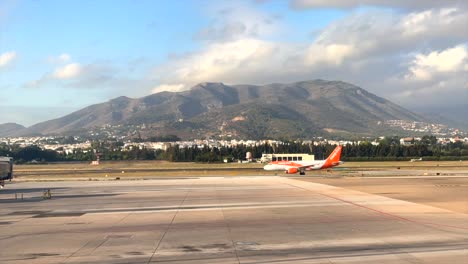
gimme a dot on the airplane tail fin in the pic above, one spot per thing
(334, 158)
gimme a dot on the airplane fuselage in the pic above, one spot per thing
(301, 166)
(285, 165)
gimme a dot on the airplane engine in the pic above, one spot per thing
(291, 170)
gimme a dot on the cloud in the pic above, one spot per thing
(442, 92)
(383, 51)
(62, 58)
(169, 88)
(345, 4)
(432, 79)
(441, 23)
(381, 33)
(7, 58)
(69, 71)
(425, 67)
(74, 75)
(105, 77)
(397, 54)
(236, 22)
(244, 60)
(333, 54)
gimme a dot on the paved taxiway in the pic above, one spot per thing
(222, 220)
(446, 192)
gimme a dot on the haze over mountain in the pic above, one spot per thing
(454, 116)
(10, 129)
(301, 109)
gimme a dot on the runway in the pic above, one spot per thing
(222, 220)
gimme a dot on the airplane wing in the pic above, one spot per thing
(310, 166)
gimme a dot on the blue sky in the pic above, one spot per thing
(59, 56)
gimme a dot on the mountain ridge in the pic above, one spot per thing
(10, 128)
(256, 111)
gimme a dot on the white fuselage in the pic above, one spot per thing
(285, 165)
(290, 166)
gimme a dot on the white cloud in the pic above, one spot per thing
(445, 92)
(344, 4)
(425, 67)
(6, 58)
(395, 54)
(235, 21)
(383, 33)
(376, 49)
(226, 61)
(333, 54)
(64, 57)
(104, 77)
(444, 61)
(68, 71)
(169, 88)
(444, 22)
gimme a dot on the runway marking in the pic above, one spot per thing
(182, 207)
(211, 208)
(196, 207)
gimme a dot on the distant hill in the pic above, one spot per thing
(454, 116)
(9, 129)
(301, 109)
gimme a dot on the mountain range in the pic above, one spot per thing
(9, 129)
(293, 110)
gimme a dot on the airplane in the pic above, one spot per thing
(292, 167)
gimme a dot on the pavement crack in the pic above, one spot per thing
(234, 244)
(169, 226)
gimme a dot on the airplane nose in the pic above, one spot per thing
(268, 167)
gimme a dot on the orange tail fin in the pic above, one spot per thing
(334, 157)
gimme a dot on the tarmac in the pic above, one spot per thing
(264, 219)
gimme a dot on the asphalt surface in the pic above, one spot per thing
(446, 192)
(222, 220)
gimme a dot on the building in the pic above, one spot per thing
(287, 157)
(407, 141)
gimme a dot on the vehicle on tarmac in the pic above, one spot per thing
(6, 170)
(292, 167)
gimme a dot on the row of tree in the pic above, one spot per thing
(387, 149)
